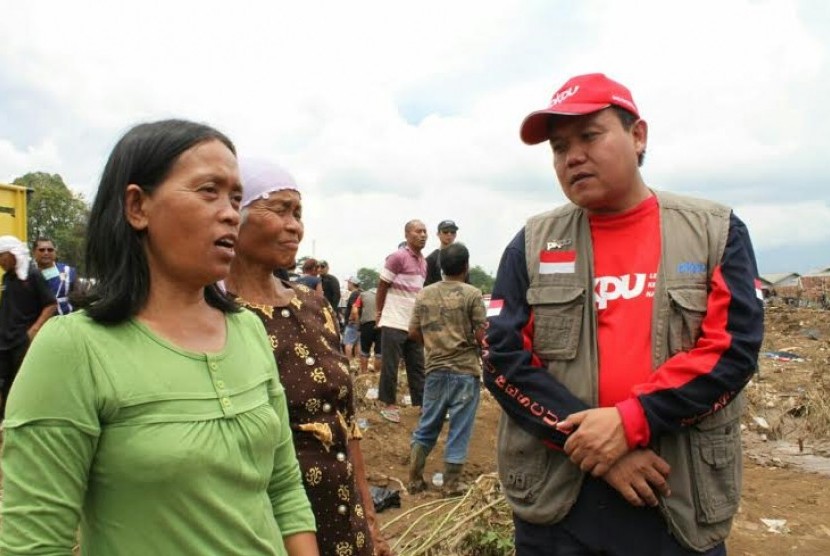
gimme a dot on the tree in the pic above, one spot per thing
(480, 279)
(368, 278)
(57, 212)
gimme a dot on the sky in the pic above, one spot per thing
(388, 111)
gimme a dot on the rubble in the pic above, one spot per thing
(787, 420)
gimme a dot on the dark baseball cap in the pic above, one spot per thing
(447, 225)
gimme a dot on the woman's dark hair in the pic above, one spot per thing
(115, 256)
(454, 259)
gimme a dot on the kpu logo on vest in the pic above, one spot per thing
(627, 286)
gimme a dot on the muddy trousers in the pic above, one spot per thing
(602, 523)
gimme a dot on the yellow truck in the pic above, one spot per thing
(13, 211)
(13, 199)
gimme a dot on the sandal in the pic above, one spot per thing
(391, 414)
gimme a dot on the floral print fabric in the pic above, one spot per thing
(306, 343)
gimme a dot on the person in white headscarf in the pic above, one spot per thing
(21, 258)
(25, 306)
(305, 340)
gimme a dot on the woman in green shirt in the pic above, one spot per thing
(154, 417)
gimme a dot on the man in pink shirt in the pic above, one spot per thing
(401, 279)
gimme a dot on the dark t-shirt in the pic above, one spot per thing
(352, 298)
(433, 268)
(21, 305)
(331, 289)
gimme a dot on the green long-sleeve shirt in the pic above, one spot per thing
(153, 449)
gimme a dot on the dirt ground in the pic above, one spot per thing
(786, 444)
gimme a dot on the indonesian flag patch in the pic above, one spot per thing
(759, 292)
(494, 307)
(557, 262)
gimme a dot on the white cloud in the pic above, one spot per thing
(15, 162)
(787, 223)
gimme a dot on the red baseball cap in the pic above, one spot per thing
(582, 94)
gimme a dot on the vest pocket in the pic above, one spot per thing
(522, 463)
(716, 452)
(686, 313)
(557, 320)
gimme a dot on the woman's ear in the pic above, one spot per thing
(135, 207)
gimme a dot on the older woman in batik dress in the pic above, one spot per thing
(306, 342)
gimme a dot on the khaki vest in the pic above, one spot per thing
(705, 480)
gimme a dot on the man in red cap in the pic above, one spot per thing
(622, 329)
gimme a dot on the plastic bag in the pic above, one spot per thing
(384, 498)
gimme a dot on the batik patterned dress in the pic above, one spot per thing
(306, 343)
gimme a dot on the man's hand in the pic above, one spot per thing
(597, 439)
(32, 332)
(640, 476)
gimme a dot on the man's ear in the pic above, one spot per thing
(640, 133)
(135, 207)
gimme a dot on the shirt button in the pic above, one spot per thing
(309, 361)
(220, 384)
(285, 313)
(226, 402)
(326, 407)
(342, 509)
(341, 457)
(214, 367)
